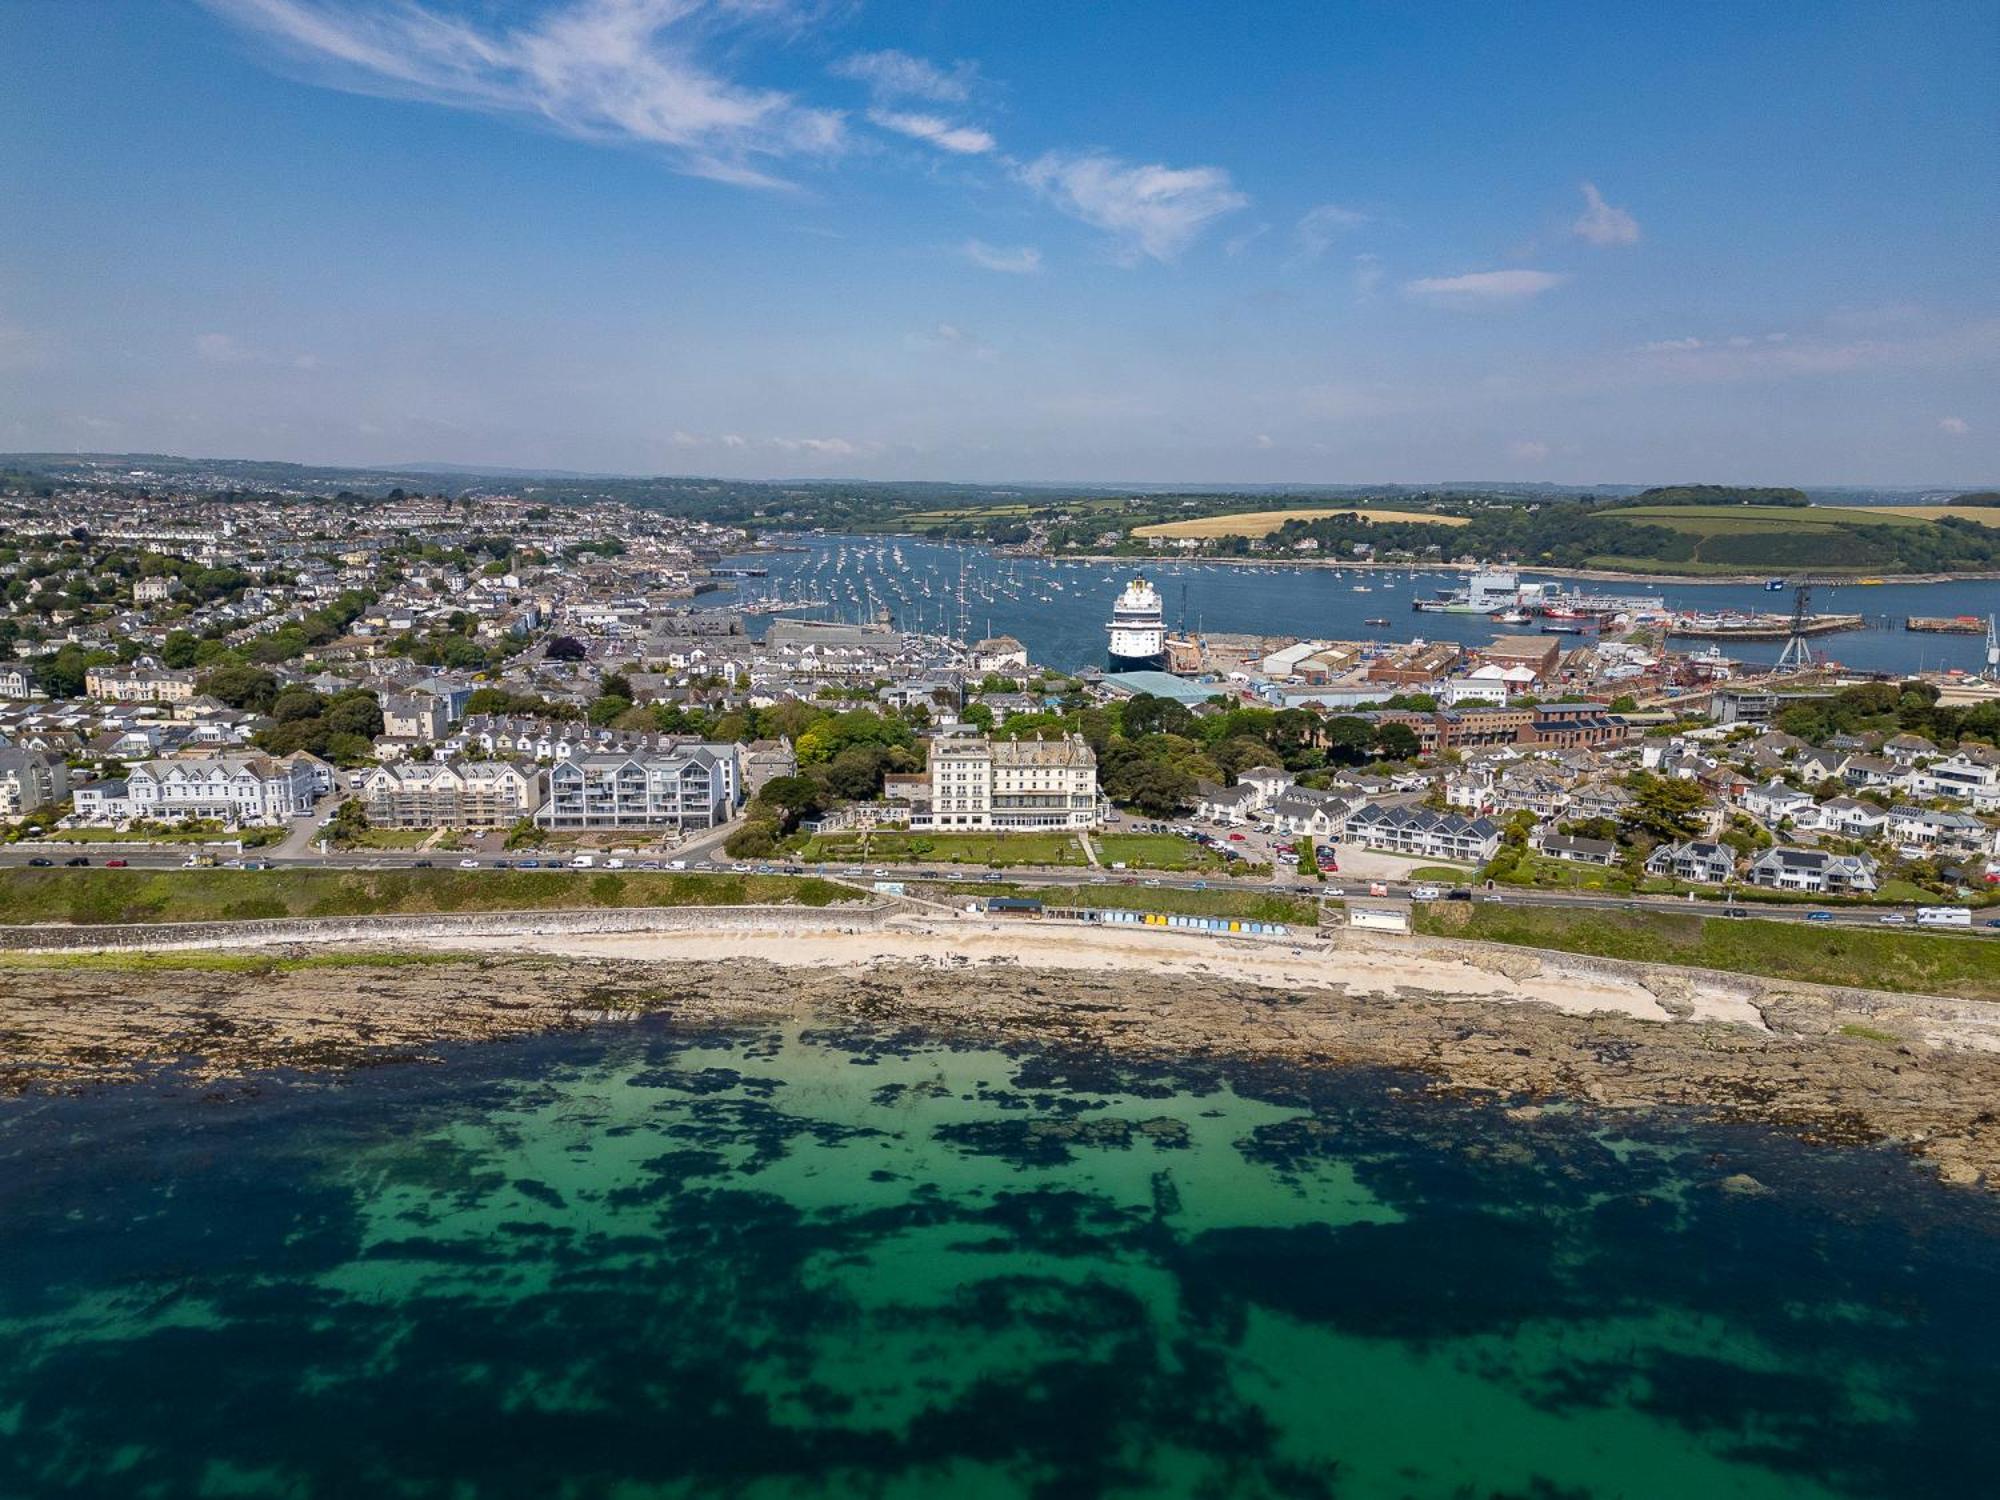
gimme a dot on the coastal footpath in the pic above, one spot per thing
(1530, 1028)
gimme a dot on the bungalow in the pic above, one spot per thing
(1813, 870)
(1580, 851)
(1698, 861)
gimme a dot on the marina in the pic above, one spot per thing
(1057, 607)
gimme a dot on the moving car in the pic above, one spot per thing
(1736, 911)
(1819, 916)
(1893, 919)
(76, 860)
(468, 864)
(115, 864)
(40, 863)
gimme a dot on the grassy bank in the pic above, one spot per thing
(1920, 962)
(99, 895)
(1255, 905)
(944, 848)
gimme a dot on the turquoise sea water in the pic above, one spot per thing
(649, 1262)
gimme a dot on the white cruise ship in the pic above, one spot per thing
(1138, 629)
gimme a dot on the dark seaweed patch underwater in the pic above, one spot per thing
(645, 1262)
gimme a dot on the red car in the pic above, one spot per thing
(1235, 838)
(114, 864)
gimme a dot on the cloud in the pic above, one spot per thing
(1527, 451)
(1956, 426)
(733, 440)
(1670, 346)
(949, 338)
(221, 349)
(829, 447)
(1367, 276)
(1024, 261)
(1601, 224)
(892, 74)
(1262, 440)
(1320, 227)
(967, 140)
(1477, 288)
(1148, 210)
(601, 70)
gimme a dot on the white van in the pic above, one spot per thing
(583, 862)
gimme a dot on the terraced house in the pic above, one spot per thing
(693, 786)
(1419, 831)
(451, 793)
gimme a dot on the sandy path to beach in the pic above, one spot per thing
(1359, 968)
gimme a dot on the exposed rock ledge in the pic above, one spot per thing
(1896, 1075)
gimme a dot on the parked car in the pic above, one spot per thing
(423, 864)
(115, 864)
(1236, 838)
(1736, 911)
(75, 860)
(1893, 919)
(529, 864)
(40, 863)
(468, 864)
(256, 864)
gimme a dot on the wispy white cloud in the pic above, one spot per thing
(1023, 261)
(1783, 355)
(1956, 426)
(967, 140)
(616, 70)
(1147, 210)
(1477, 288)
(1601, 223)
(1528, 451)
(1318, 228)
(949, 338)
(1670, 346)
(898, 75)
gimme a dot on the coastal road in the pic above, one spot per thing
(1396, 892)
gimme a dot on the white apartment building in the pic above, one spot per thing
(1010, 785)
(233, 789)
(29, 779)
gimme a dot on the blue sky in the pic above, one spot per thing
(1058, 241)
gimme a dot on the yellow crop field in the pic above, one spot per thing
(1264, 522)
(1985, 515)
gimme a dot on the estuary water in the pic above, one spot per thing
(1059, 609)
(645, 1262)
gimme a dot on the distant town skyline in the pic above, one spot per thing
(1158, 244)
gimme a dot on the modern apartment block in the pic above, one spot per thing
(691, 787)
(1010, 785)
(451, 793)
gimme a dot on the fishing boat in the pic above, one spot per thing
(1774, 584)
(1378, 622)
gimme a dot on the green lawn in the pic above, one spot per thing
(1456, 874)
(1921, 962)
(945, 848)
(1255, 905)
(1156, 851)
(253, 838)
(388, 838)
(98, 895)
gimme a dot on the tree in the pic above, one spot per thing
(1666, 808)
(247, 688)
(566, 648)
(608, 708)
(180, 650)
(1397, 741)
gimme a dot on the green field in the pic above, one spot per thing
(30, 896)
(1155, 851)
(1253, 905)
(1744, 538)
(1919, 962)
(945, 848)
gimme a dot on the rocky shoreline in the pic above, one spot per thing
(1813, 1067)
